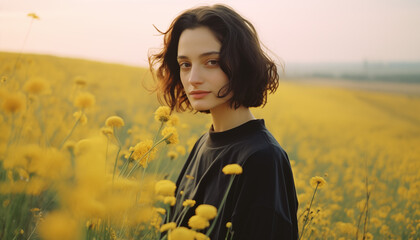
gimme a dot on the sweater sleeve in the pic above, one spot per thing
(265, 204)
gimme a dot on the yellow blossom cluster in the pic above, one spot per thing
(189, 202)
(13, 103)
(84, 100)
(232, 169)
(114, 121)
(165, 188)
(317, 182)
(36, 86)
(163, 114)
(171, 135)
(143, 152)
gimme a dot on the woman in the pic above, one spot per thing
(212, 62)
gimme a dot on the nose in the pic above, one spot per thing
(195, 76)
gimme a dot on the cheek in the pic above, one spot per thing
(222, 79)
(183, 80)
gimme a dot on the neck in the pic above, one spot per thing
(227, 118)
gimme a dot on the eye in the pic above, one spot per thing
(184, 65)
(213, 62)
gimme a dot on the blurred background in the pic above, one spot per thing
(309, 35)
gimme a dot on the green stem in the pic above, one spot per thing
(21, 50)
(157, 133)
(222, 204)
(12, 130)
(19, 131)
(136, 164)
(118, 153)
(71, 131)
(125, 166)
(106, 153)
(227, 234)
(115, 164)
(182, 215)
(168, 211)
(182, 201)
(307, 214)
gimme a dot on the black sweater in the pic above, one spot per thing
(262, 202)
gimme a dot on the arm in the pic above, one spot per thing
(265, 198)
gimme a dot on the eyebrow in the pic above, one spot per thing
(201, 55)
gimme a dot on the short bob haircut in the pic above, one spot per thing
(250, 71)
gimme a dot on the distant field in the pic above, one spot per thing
(362, 138)
(376, 86)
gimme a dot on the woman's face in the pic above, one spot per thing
(200, 73)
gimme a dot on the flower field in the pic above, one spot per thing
(87, 153)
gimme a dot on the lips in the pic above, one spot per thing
(198, 94)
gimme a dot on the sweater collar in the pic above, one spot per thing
(217, 139)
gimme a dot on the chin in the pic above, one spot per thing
(201, 108)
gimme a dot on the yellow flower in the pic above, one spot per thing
(35, 210)
(228, 224)
(13, 103)
(398, 217)
(6, 203)
(170, 200)
(173, 120)
(112, 234)
(78, 115)
(171, 135)
(384, 230)
(188, 202)
(206, 211)
(114, 121)
(84, 100)
(172, 155)
(107, 131)
(160, 210)
(155, 221)
(168, 226)
(59, 225)
(345, 228)
(165, 188)
(36, 86)
(162, 114)
(33, 16)
(198, 222)
(201, 236)
(181, 233)
(317, 181)
(181, 150)
(141, 149)
(232, 169)
(52, 163)
(189, 177)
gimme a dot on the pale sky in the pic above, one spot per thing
(122, 31)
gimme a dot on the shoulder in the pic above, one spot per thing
(269, 157)
(266, 146)
(267, 154)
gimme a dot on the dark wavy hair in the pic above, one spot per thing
(251, 73)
